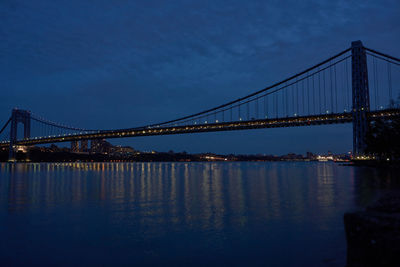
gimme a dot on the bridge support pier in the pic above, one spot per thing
(84, 146)
(360, 97)
(74, 146)
(18, 116)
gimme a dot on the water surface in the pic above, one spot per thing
(275, 214)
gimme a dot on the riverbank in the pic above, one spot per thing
(374, 163)
(56, 154)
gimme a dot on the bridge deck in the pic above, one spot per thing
(211, 127)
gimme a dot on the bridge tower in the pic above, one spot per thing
(18, 116)
(360, 92)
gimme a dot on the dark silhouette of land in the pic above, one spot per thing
(108, 152)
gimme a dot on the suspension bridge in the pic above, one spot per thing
(357, 85)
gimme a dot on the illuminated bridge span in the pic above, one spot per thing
(357, 85)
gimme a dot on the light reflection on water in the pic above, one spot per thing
(181, 213)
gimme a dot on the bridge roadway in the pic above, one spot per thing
(210, 127)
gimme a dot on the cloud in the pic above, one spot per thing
(162, 59)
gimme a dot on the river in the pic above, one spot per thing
(180, 214)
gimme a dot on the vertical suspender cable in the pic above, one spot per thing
(297, 96)
(302, 98)
(282, 110)
(348, 88)
(377, 83)
(308, 95)
(389, 67)
(293, 112)
(286, 100)
(265, 107)
(256, 108)
(331, 82)
(375, 89)
(248, 110)
(336, 96)
(344, 92)
(324, 93)
(319, 91)
(313, 93)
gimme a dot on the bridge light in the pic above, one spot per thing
(327, 112)
(240, 119)
(216, 121)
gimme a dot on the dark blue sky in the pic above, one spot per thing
(116, 64)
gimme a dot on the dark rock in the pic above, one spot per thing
(373, 236)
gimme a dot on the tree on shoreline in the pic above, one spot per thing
(383, 139)
(383, 136)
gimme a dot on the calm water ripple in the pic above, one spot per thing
(275, 214)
